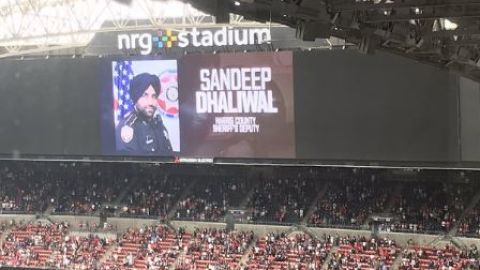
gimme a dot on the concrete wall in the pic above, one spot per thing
(257, 229)
(74, 221)
(402, 239)
(17, 218)
(112, 236)
(189, 226)
(122, 224)
(119, 224)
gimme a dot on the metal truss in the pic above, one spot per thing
(445, 33)
(40, 26)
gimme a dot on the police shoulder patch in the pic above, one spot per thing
(126, 133)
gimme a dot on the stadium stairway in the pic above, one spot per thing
(4, 234)
(180, 257)
(108, 253)
(186, 192)
(169, 225)
(398, 261)
(248, 252)
(332, 252)
(313, 205)
(49, 210)
(306, 230)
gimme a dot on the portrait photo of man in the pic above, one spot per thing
(143, 127)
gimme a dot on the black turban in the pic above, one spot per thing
(140, 83)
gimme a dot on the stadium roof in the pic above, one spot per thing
(35, 26)
(441, 32)
(445, 33)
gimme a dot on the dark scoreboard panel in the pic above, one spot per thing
(50, 106)
(324, 105)
(382, 107)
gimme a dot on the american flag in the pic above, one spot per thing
(122, 75)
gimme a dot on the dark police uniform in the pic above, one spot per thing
(139, 135)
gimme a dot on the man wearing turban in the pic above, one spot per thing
(142, 132)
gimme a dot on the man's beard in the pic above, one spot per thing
(148, 112)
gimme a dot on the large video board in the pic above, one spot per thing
(262, 105)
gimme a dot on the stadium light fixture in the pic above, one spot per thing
(449, 25)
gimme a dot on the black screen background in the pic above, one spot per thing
(50, 106)
(351, 106)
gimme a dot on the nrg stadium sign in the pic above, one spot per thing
(225, 36)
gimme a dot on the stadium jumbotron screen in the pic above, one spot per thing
(224, 105)
(256, 106)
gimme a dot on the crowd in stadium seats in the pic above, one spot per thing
(363, 253)
(159, 247)
(213, 248)
(431, 206)
(470, 224)
(65, 187)
(87, 197)
(322, 197)
(149, 247)
(210, 198)
(351, 202)
(41, 245)
(283, 200)
(440, 258)
(401, 201)
(411, 207)
(155, 196)
(282, 251)
(19, 191)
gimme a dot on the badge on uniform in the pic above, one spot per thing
(126, 133)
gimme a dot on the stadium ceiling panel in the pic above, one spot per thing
(441, 32)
